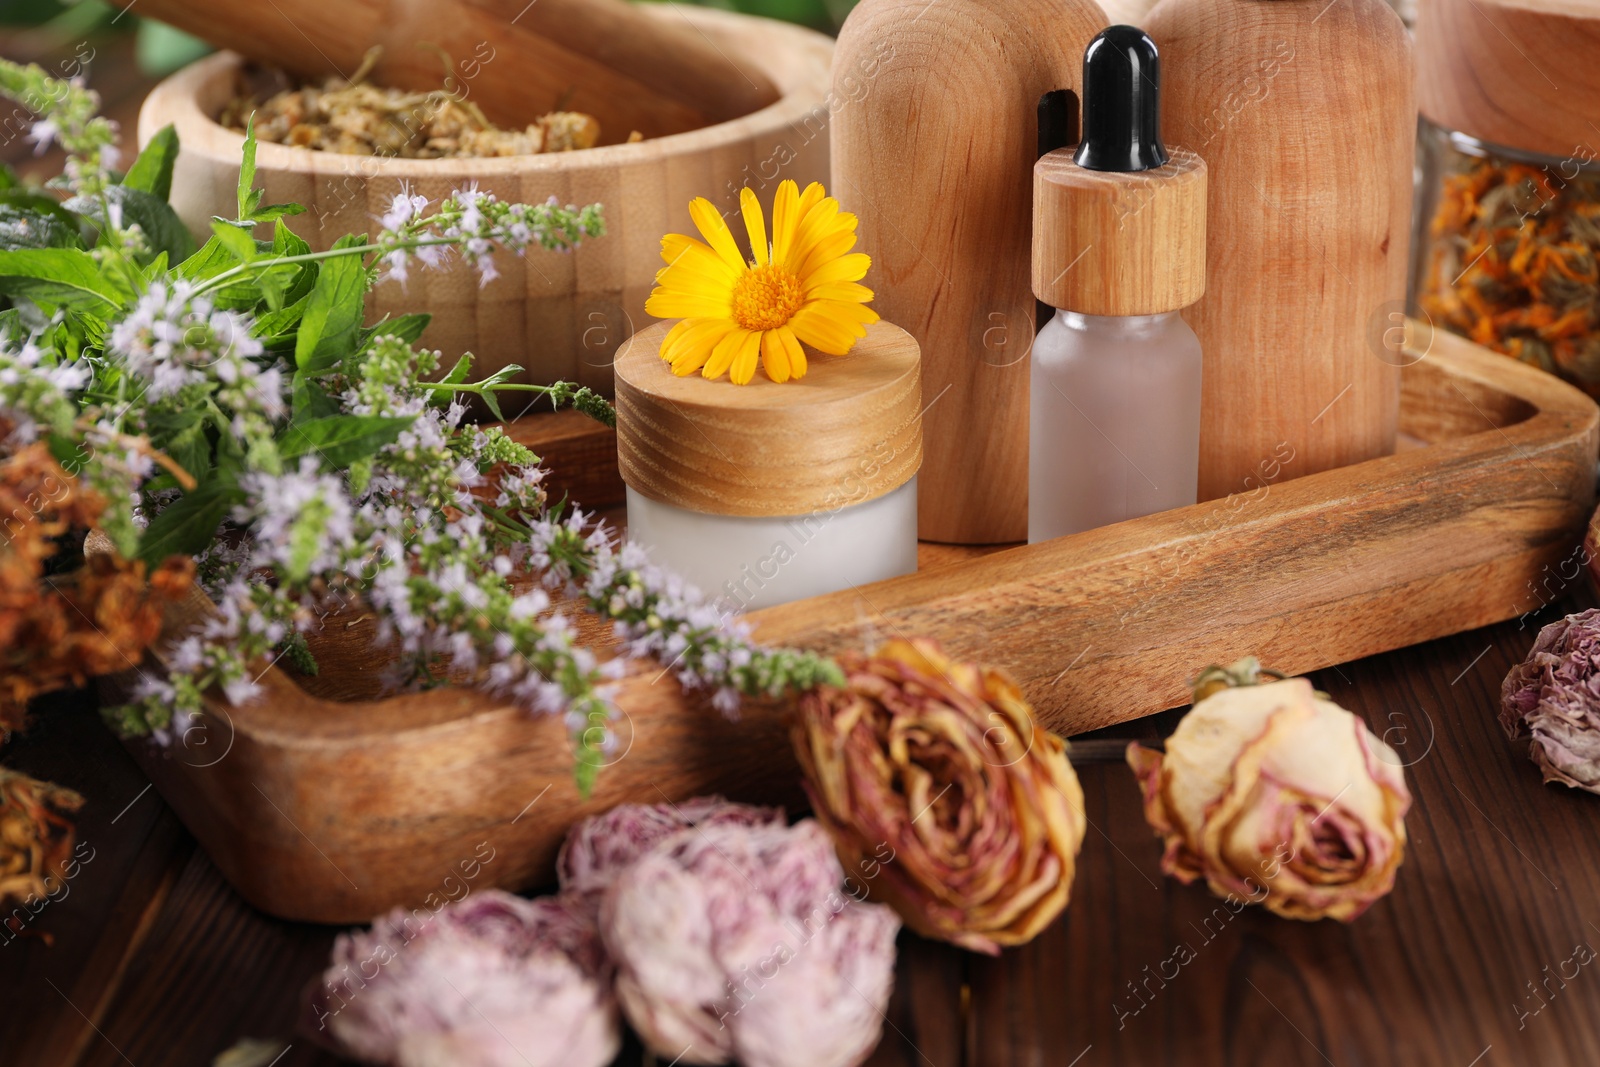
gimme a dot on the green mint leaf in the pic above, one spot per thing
(188, 525)
(272, 212)
(163, 230)
(22, 227)
(238, 242)
(309, 400)
(331, 325)
(459, 372)
(59, 277)
(277, 328)
(285, 242)
(152, 171)
(406, 327)
(340, 440)
(247, 170)
(493, 403)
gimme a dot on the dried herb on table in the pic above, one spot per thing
(65, 627)
(1513, 264)
(35, 841)
(356, 118)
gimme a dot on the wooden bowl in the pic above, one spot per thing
(561, 316)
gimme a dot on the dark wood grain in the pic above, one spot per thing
(1501, 881)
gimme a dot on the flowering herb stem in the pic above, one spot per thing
(340, 477)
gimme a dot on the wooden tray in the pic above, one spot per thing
(332, 806)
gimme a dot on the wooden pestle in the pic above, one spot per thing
(516, 59)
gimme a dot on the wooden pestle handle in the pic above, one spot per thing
(630, 68)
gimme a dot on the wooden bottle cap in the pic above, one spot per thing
(1518, 73)
(1119, 243)
(848, 432)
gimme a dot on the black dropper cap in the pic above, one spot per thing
(1121, 103)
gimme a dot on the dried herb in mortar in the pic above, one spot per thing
(356, 118)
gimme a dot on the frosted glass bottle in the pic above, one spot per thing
(1114, 417)
(1119, 245)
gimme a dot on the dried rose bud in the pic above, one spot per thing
(1277, 796)
(1554, 697)
(491, 981)
(599, 847)
(942, 794)
(737, 943)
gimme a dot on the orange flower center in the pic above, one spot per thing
(765, 298)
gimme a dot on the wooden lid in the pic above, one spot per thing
(1117, 243)
(1519, 73)
(848, 432)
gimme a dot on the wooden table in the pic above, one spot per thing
(157, 962)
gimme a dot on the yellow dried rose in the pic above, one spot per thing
(1276, 795)
(943, 796)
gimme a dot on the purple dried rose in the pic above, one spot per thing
(1554, 697)
(491, 981)
(602, 846)
(735, 942)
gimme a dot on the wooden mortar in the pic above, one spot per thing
(560, 316)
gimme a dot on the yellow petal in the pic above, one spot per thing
(744, 361)
(797, 355)
(785, 219)
(844, 292)
(716, 232)
(674, 304)
(723, 354)
(819, 326)
(819, 223)
(774, 356)
(799, 246)
(686, 254)
(675, 248)
(755, 224)
(694, 348)
(674, 334)
(830, 247)
(851, 268)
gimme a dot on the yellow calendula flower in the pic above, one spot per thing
(803, 288)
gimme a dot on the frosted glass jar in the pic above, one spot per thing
(750, 562)
(764, 493)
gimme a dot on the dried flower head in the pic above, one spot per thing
(493, 980)
(601, 847)
(943, 794)
(1553, 698)
(1276, 796)
(736, 943)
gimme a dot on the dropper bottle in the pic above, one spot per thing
(1119, 244)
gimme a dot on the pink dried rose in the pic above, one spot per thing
(1553, 697)
(598, 848)
(491, 981)
(736, 942)
(943, 795)
(1275, 795)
